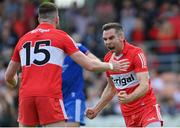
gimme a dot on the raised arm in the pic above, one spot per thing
(106, 97)
(143, 86)
(140, 91)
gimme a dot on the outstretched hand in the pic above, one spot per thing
(121, 65)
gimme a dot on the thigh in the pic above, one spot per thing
(27, 115)
(151, 115)
(50, 111)
(75, 109)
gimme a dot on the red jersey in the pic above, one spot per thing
(41, 53)
(127, 81)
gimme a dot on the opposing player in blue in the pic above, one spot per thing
(73, 86)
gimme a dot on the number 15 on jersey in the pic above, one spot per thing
(38, 54)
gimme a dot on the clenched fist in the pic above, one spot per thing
(123, 97)
(91, 113)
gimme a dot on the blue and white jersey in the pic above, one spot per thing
(72, 77)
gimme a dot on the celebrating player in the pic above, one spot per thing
(135, 94)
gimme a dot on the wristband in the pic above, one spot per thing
(111, 66)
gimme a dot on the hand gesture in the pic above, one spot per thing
(121, 65)
(91, 113)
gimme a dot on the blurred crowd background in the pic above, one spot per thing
(153, 25)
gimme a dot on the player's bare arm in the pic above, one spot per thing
(92, 56)
(140, 91)
(11, 77)
(106, 97)
(94, 65)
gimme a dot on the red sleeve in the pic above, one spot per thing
(69, 45)
(140, 62)
(15, 55)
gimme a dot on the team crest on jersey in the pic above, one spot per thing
(122, 81)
